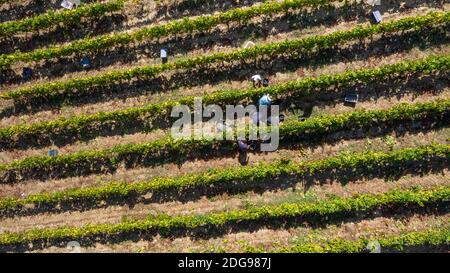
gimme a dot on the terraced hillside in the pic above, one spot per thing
(343, 175)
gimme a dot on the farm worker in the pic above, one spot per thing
(265, 100)
(265, 82)
(163, 55)
(256, 79)
(243, 146)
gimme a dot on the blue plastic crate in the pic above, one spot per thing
(52, 153)
(85, 62)
(351, 98)
(377, 16)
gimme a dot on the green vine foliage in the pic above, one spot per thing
(75, 126)
(290, 47)
(325, 209)
(54, 18)
(429, 237)
(176, 27)
(371, 160)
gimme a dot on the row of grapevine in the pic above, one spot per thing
(371, 160)
(78, 125)
(163, 224)
(186, 25)
(54, 18)
(287, 48)
(168, 148)
(430, 237)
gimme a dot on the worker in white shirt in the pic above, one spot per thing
(256, 79)
(164, 55)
